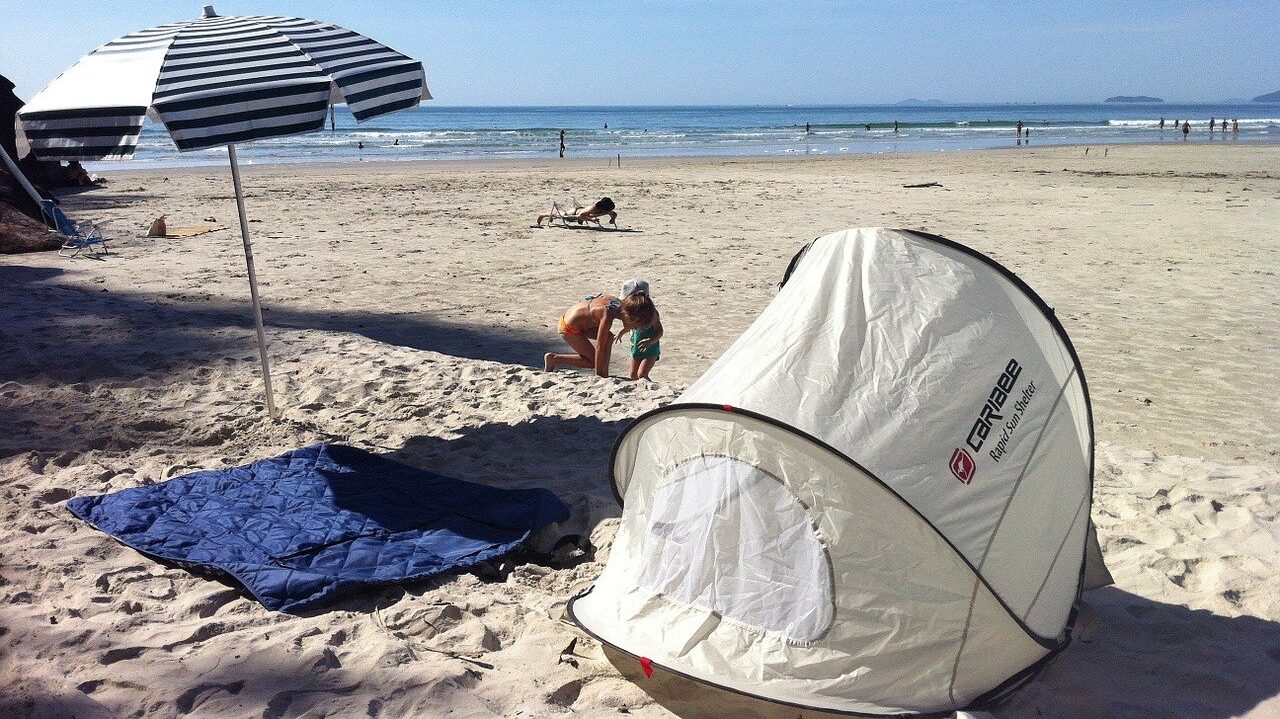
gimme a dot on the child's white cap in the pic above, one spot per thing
(632, 286)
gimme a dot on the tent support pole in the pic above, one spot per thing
(253, 280)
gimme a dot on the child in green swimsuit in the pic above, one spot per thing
(645, 348)
(642, 360)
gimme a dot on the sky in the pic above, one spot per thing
(700, 52)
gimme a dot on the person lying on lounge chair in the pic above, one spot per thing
(582, 215)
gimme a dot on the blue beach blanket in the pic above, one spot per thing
(316, 522)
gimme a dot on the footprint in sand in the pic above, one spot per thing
(194, 696)
(111, 656)
(448, 628)
(566, 694)
(210, 605)
(52, 496)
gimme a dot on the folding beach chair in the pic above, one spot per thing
(83, 235)
(565, 215)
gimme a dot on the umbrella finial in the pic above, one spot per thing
(208, 11)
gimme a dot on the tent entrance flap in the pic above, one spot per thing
(728, 537)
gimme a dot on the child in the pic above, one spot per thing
(593, 316)
(645, 348)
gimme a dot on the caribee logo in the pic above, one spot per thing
(962, 466)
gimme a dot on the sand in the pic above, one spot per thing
(408, 307)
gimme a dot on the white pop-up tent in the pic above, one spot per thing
(875, 502)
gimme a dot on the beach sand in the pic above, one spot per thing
(408, 308)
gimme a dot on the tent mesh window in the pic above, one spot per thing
(726, 536)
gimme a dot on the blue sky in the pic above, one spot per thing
(745, 52)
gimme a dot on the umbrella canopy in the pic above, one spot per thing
(218, 81)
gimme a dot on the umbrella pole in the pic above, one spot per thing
(253, 280)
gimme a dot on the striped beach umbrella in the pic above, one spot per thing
(218, 81)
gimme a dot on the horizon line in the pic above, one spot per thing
(900, 103)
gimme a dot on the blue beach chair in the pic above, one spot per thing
(83, 235)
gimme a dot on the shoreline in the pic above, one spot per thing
(643, 161)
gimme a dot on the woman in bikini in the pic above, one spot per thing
(592, 318)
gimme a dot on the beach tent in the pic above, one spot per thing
(216, 81)
(876, 501)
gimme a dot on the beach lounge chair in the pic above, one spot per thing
(567, 217)
(83, 235)
(566, 213)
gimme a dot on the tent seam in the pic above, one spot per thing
(964, 639)
(1056, 556)
(982, 562)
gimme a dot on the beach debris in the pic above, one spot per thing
(567, 656)
(924, 184)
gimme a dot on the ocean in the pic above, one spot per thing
(461, 133)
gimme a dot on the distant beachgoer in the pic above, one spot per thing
(1027, 133)
(1211, 125)
(593, 316)
(895, 127)
(397, 142)
(606, 126)
(582, 215)
(1019, 128)
(562, 143)
(867, 126)
(807, 131)
(1235, 125)
(1162, 124)
(1186, 127)
(1175, 124)
(359, 145)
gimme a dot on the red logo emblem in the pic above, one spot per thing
(962, 466)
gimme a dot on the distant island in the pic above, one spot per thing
(1270, 97)
(916, 102)
(1133, 99)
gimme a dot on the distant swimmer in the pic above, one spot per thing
(1211, 125)
(807, 131)
(867, 126)
(1162, 124)
(895, 127)
(359, 145)
(1186, 128)
(397, 142)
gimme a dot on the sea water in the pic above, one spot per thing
(443, 132)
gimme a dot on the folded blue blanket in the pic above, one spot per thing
(316, 522)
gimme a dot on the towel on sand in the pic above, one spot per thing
(316, 522)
